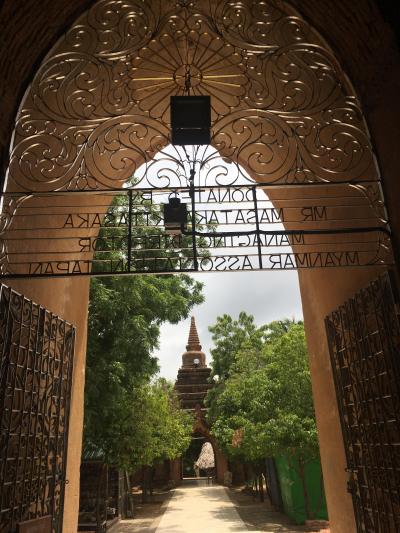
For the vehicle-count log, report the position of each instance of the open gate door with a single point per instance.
(36, 358)
(364, 342)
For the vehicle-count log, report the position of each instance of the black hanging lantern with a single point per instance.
(191, 119)
(175, 216)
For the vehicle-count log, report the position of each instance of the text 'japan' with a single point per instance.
(225, 229)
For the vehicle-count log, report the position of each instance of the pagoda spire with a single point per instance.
(193, 357)
(193, 344)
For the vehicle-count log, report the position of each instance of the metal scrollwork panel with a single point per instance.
(36, 372)
(363, 337)
(99, 104)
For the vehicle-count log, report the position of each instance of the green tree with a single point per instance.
(268, 399)
(125, 314)
(228, 335)
(132, 421)
(163, 430)
(264, 407)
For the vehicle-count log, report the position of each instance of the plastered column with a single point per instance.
(323, 291)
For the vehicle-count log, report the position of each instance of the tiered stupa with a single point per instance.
(192, 381)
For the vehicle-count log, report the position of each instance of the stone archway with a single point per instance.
(283, 109)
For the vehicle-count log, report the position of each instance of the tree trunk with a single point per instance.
(151, 476)
(300, 462)
(129, 503)
(254, 487)
(246, 474)
(261, 486)
(267, 486)
(144, 484)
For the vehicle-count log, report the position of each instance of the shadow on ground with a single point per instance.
(256, 515)
(260, 516)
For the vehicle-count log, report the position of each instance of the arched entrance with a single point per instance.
(282, 109)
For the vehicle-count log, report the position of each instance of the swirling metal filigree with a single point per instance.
(172, 167)
(99, 104)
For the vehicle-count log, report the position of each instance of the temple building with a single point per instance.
(193, 382)
(191, 385)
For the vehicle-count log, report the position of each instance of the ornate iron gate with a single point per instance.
(36, 357)
(364, 341)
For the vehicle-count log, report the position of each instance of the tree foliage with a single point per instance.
(149, 429)
(228, 335)
(126, 417)
(125, 314)
(262, 406)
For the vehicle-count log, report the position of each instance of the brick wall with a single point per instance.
(361, 38)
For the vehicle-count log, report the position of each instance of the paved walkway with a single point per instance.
(199, 508)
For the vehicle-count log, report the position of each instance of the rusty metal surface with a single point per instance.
(37, 525)
(36, 351)
(364, 341)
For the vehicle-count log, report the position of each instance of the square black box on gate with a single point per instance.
(190, 119)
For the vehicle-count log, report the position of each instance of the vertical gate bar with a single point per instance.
(363, 317)
(58, 477)
(386, 336)
(389, 282)
(389, 382)
(377, 397)
(36, 375)
(49, 398)
(24, 395)
(13, 396)
(52, 473)
(67, 403)
(130, 209)
(380, 423)
(34, 354)
(353, 466)
(334, 349)
(260, 263)
(377, 290)
(365, 448)
(5, 365)
(39, 414)
(355, 316)
(388, 285)
(4, 361)
(45, 337)
(192, 196)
